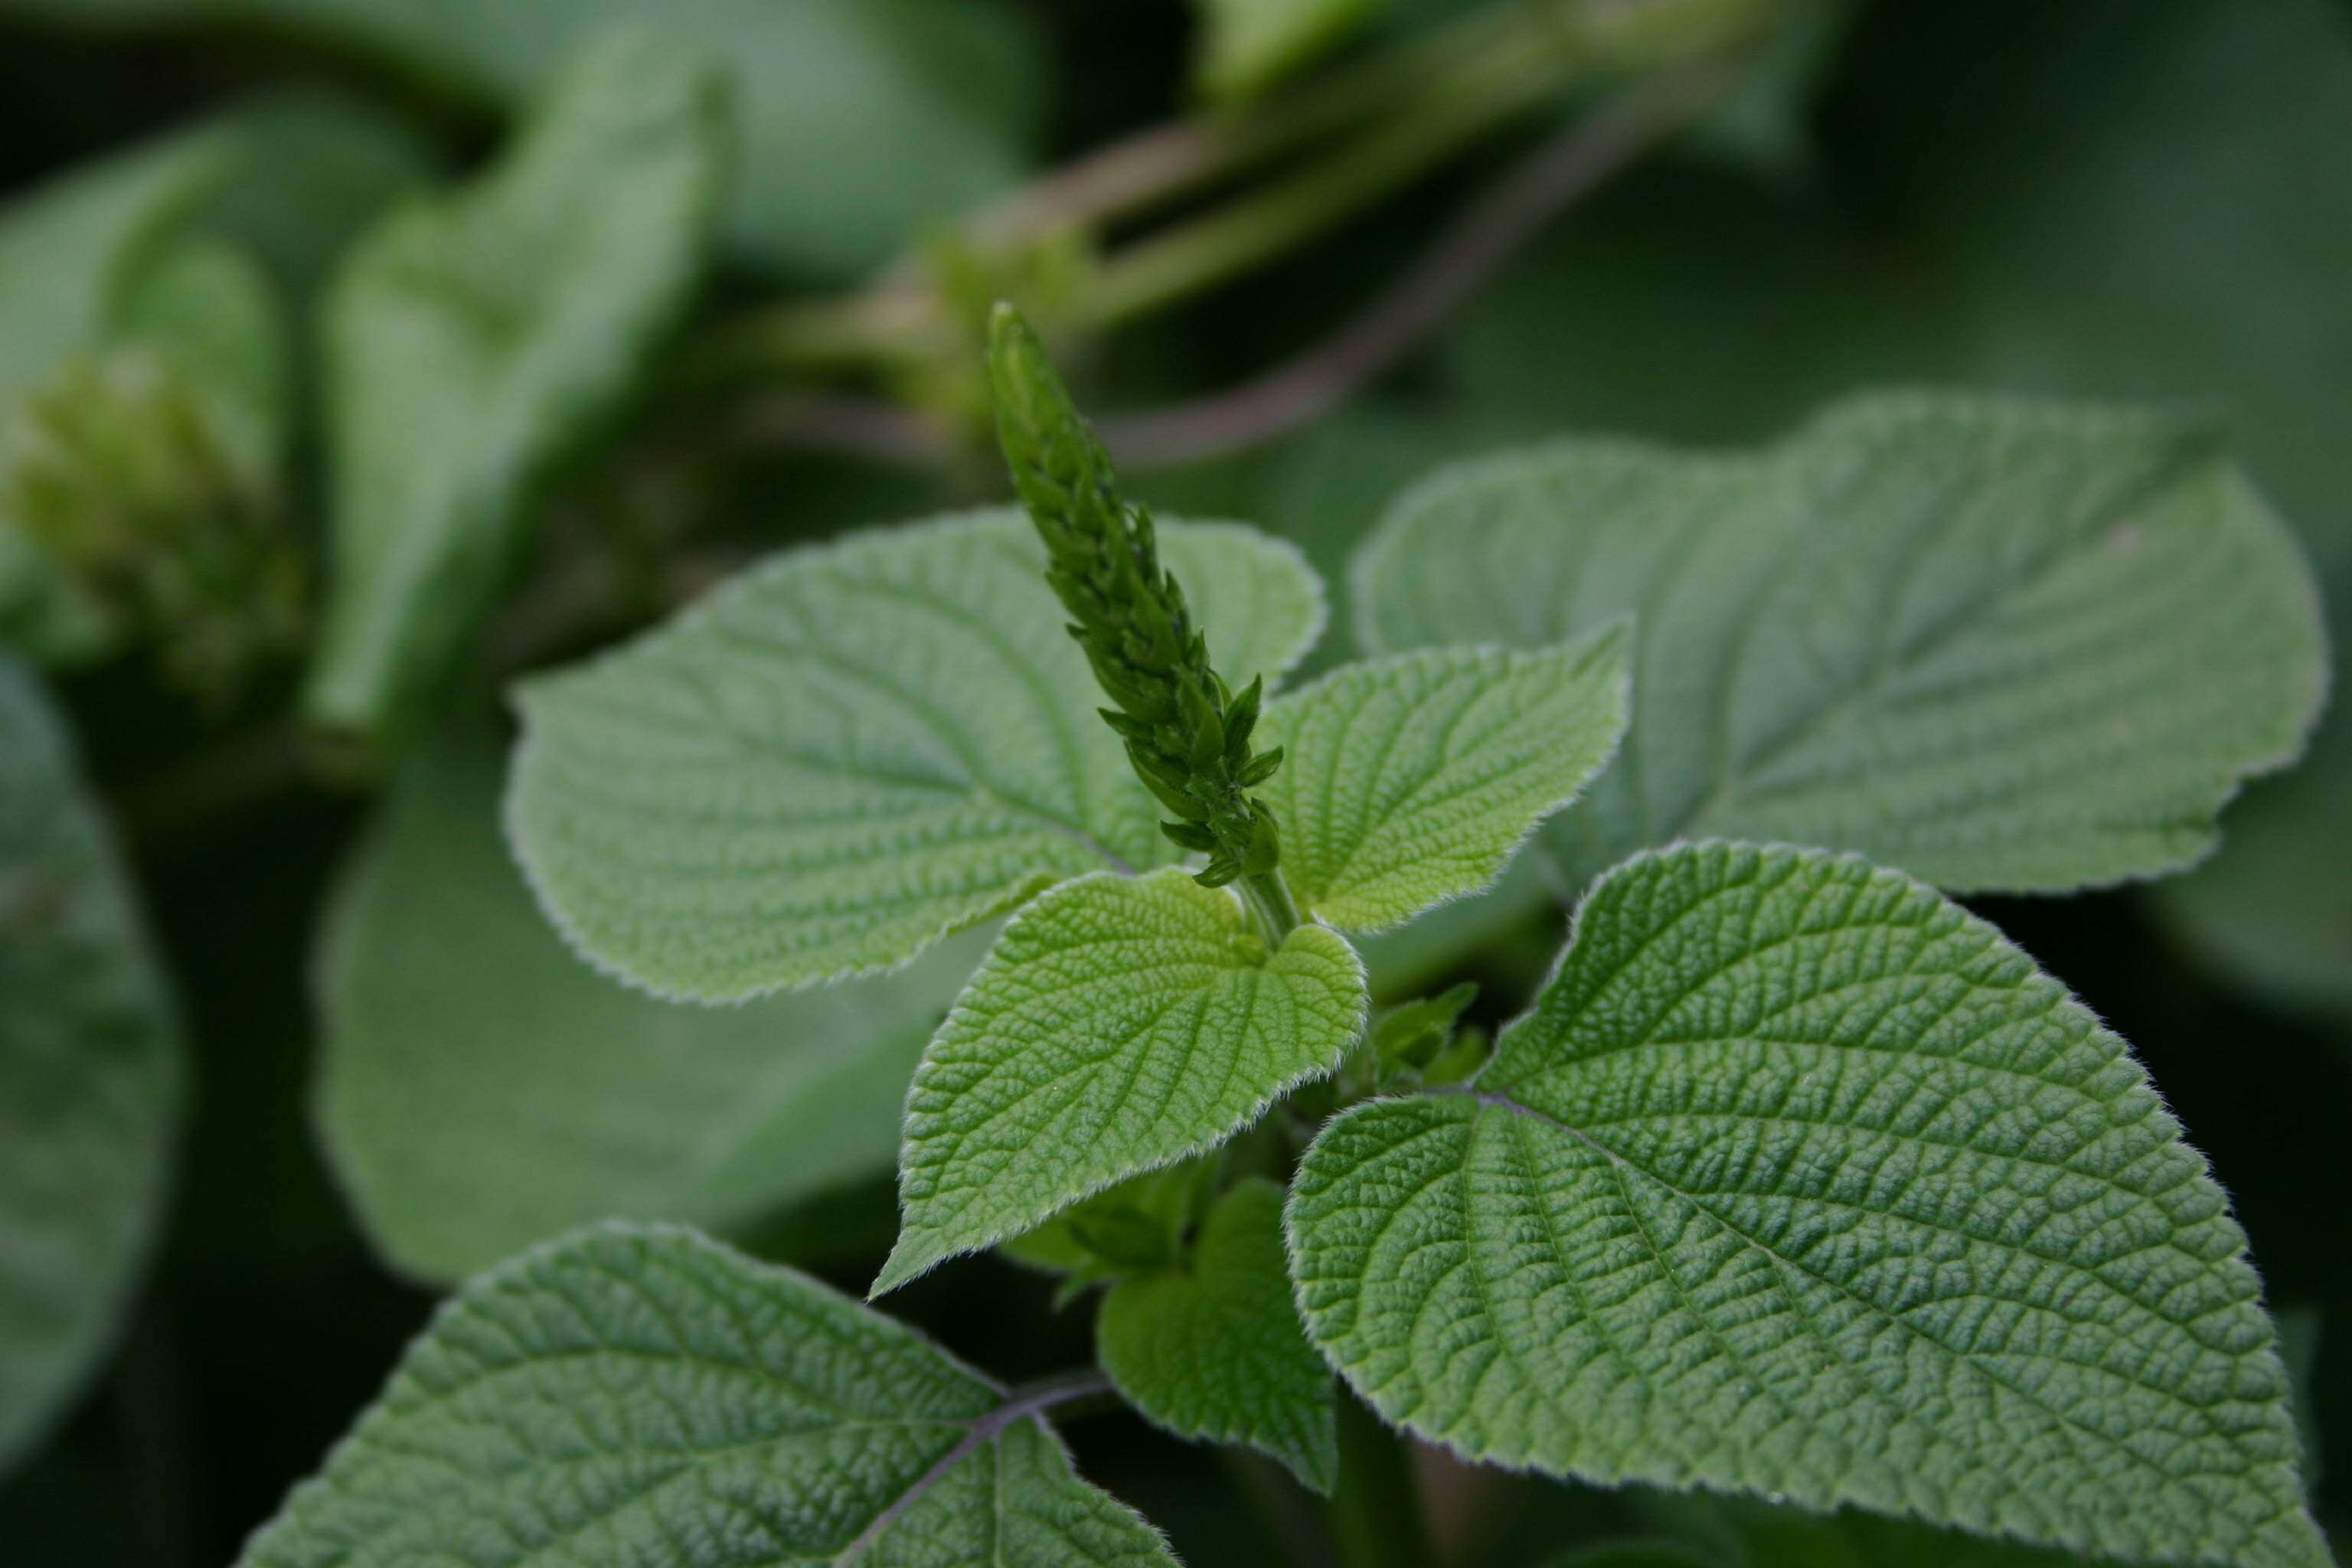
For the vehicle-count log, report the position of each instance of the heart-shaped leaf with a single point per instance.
(854, 750)
(1799, 1179)
(634, 1394)
(1121, 1023)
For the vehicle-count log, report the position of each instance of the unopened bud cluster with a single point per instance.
(1187, 734)
(115, 468)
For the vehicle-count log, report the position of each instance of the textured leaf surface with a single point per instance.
(2000, 645)
(1411, 781)
(480, 1089)
(1799, 1180)
(853, 750)
(1248, 45)
(1121, 1023)
(473, 341)
(636, 1395)
(90, 1074)
(1214, 1350)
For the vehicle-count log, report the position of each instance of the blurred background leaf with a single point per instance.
(862, 119)
(476, 341)
(89, 1075)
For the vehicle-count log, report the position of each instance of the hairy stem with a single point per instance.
(1271, 908)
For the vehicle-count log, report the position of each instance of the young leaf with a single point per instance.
(1121, 1023)
(1799, 1179)
(1248, 45)
(844, 755)
(89, 1075)
(1411, 781)
(2002, 645)
(473, 341)
(480, 1089)
(636, 1394)
(1214, 1350)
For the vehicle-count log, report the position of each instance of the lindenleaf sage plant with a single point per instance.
(1798, 1181)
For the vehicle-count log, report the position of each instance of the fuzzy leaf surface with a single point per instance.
(1799, 1180)
(1121, 1023)
(480, 1089)
(2000, 644)
(1410, 781)
(853, 750)
(90, 1074)
(473, 341)
(637, 1394)
(1214, 1350)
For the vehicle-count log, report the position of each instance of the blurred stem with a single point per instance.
(1393, 118)
(1375, 1509)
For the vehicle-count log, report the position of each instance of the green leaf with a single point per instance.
(473, 341)
(633, 1396)
(854, 750)
(1121, 1023)
(1412, 781)
(206, 309)
(2000, 644)
(89, 1075)
(863, 122)
(1214, 1352)
(1799, 1180)
(1249, 46)
(479, 1090)
(72, 250)
(1140, 1223)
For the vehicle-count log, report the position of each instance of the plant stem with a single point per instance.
(1375, 1509)
(1404, 112)
(1267, 899)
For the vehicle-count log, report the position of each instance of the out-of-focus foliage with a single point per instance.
(1247, 46)
(90, 1074)
(2004, 645)
(863, 120)
(479, 1089)
(475, 342)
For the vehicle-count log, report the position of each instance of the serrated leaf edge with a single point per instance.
(889, 1279)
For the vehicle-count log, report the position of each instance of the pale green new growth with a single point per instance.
(73, 254)
(479, 1090)
(1799, 1179)
(839, 758)
(473, 341)
(2000, 644)
(1121, 1023)
(635, 1395)
(1214, 1350)
(90, 1074)
(1411, 780)
(1248, 45)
